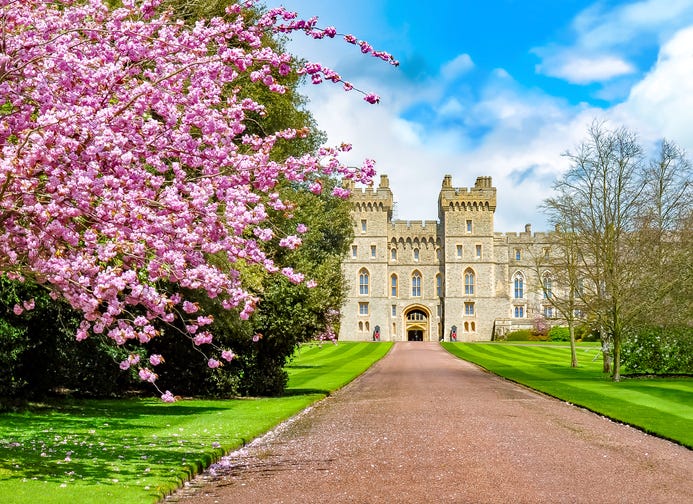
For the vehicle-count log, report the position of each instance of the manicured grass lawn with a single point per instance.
(661, 406)
(138, 450)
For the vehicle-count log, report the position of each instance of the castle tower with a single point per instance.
(467, 231)
(366, 264)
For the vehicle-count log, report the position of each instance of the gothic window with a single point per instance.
(469, 225)
(459, 251)
(519, 312)
(478, 251)
(439, 285)
(548, 286)
(364, 227)
(363, 282)
(416, 284)
(469, 309)
(354, 251)
(416, 254)
(518, 254)
(469, 283)
(393, 286)
(373, 251)
(519, 283)
(363, 308)
(393, 254)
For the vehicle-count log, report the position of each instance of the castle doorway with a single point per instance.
(417, 324)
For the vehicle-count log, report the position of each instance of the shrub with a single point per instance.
(520, 335)
(559, 333)
(656, 350)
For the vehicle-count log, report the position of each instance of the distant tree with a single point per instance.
(664, 234)
(562, 263)
(623, 234)
(603, 188)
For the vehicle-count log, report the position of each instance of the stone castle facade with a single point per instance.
(453, 279)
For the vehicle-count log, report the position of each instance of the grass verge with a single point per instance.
(138, 450)
(660, 406)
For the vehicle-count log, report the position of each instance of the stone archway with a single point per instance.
(417, 325)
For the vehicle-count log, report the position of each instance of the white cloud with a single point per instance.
(607, 41)
(503, 129)
(660, 104)
(584, 70)
(457, 67)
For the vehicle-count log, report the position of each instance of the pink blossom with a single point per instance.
(147, 375)
(301, 228)
(121, 177)
(155, 359)
(228, 355)
(311, 284)
(291, 242)
(213, 363)
(168, 397)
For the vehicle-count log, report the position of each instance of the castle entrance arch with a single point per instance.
(417, 324)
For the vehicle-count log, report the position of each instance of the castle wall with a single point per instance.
(429, 278)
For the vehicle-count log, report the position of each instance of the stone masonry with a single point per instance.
(455, 278)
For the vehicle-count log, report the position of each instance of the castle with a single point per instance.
(453, 279)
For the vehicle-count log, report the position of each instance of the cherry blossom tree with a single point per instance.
(126, 164)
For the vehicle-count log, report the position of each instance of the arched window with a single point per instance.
(416, 284)
(393, 286)
(519, 282)
(469, 283)
(416, 254)
(393, 254)
(363, 282)
(548, 286)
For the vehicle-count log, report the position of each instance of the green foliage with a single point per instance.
(524, 335)
(659, 406)
(656, 350)
(39, 354)
(559, 333)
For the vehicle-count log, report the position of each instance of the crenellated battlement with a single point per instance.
(481, 197)
(369, 199)
(523, 236)
(413, 233)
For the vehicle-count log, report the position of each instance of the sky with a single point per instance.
(497, 87)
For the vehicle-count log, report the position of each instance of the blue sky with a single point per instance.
(498, 87)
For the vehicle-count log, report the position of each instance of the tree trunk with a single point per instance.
(616, 374)
(573, 355)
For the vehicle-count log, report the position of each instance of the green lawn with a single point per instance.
(661, 406)
(140, 449)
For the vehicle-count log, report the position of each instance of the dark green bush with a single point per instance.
(655, 350)
(39, 354)
(520, 335)
(559, 333)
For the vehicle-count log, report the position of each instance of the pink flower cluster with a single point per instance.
(126, 163)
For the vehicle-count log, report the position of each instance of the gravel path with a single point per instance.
(423, 426)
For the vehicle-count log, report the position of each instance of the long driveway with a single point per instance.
(423, 426)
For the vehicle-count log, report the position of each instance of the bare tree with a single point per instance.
(664, 234)
(562, 263)
(600, 197)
